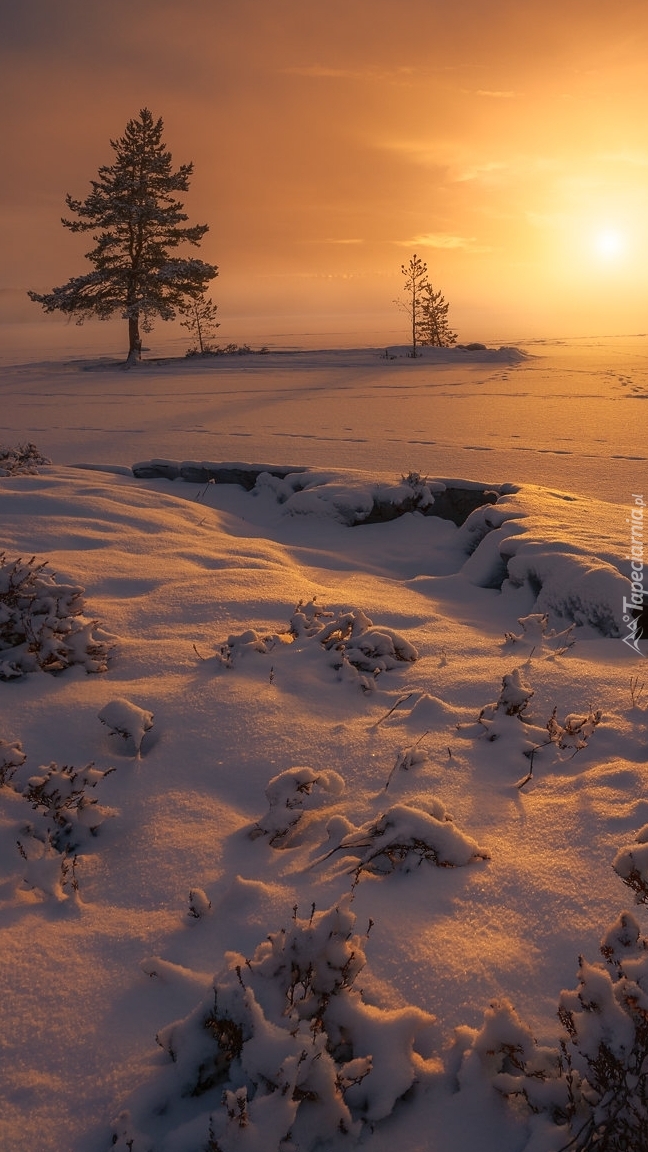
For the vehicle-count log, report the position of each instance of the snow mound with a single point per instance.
(631, 864)
(572, 587)
(128, 721)
(508, 538)
(514, 548)
(473, 353)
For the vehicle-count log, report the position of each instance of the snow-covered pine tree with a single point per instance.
(137, 222)
(433, 327)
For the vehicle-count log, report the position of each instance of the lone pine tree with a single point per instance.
(137, 222)
(426, 309)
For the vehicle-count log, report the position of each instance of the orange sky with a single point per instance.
(505, 142)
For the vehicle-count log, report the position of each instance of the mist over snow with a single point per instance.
(323, 752)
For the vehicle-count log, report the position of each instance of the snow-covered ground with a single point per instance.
(299, 693)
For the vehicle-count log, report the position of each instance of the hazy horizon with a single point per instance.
(506, 146)
(54, 338)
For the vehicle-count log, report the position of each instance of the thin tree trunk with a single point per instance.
(134, 340)
(200, 339)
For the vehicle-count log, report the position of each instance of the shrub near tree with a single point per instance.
(137, 224)
(200, 319)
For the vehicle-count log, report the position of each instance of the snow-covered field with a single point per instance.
(298, 693)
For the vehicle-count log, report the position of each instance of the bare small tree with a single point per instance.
(415, 274)
(202, 323)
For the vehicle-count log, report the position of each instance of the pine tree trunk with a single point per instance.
(134, 340)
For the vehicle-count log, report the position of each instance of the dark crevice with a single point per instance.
(244, 475)
(454, 504)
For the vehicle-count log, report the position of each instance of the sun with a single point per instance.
(610, 243)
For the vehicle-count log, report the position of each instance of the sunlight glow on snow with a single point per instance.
(206, 723)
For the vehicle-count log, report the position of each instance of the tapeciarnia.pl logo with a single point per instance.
(635, 605)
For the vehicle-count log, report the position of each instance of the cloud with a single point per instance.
(634, 159)
(496, 95)
(451, 158)
(340, 240)
(370, 72)
(519, 166)
(486, 172)
(547, 219)
(443, 240)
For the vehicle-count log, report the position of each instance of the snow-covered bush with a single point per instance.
(42, 623)
(505, 1052)
(355, 644)
(308, 619)
(287, 795)
(65, 817)
(199, 904)
(504, 719)
(631, 864)
(128, 721)
(46, 869)
(285, 1053)
(538, 636)
(406, 835)
(235, 647)
(21, 459)
(606, 1055)
(358, 650)
(575, 731)
(11, 757)
(623, 939)
(367, 648)
(420, 487)
(594, 1085)
(67, 814)
(407, 758)
(513, 699)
